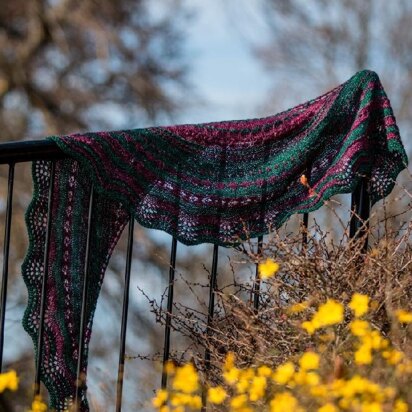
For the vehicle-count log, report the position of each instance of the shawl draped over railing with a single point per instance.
(218, 183)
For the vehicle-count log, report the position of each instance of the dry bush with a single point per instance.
(322, 269)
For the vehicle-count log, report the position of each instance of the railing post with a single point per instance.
(360, 211)
(306, 215)
(125, 310)
(166, 345)
(256, 286)
(211, 311)
(6, 248)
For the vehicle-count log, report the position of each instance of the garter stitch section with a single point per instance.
(218, 183)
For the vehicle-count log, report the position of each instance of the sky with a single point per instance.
(224, 73)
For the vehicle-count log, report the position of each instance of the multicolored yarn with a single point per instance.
(218, 183)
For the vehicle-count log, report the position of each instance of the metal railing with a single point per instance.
(28, 151)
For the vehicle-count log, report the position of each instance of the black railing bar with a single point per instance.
(212, 287)
(353, 222)
(360, 212)
(306, 215)
(211, 311)
(364, 211)
(80, 379)
(43, 296)
(305, 228)
(14, 152)
(256, 286)
(125, 309)
(358, 204)
(6, 248)
(166, 345)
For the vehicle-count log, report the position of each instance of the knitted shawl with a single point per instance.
(219, 183)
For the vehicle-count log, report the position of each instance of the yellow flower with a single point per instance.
(312, 379)
(268, 269)
(238, 401)
(244, 378)
(404, 367)
(298, 307)
(229, 361)
(359, 327)
(404, 316)
(359, 304)
(9, 380)
(393, 356)
(371, 407)
(389, 392)
(309, 327)
(196, 402)
(284, 373)
(375, 340)
(303, 377)
(319, 391)
(170, 368)
(284, 402)
(38, 405)
(357, 385)
(264, 371)
(216, 395)
(184, 399)
(363, 356)
(242, 385)
(257, 388)
(231, 376)
(400, 406)
(328, 314)
(309, 360)
(346, 403)
(160, 398)
(186, 379)
(329, 407)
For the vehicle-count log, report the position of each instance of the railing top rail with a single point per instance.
(25, 151)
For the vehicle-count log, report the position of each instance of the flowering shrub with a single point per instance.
(332, 331)
(363, 372)
(38, 405)
(10, 381)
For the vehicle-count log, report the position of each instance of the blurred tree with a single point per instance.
(316, 44)
(67, 65)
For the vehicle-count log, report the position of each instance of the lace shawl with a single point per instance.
(219, 183)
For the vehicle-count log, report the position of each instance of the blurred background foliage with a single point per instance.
(65, 65)
(71, 65)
